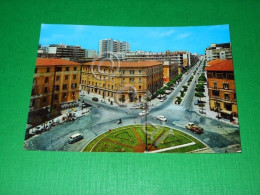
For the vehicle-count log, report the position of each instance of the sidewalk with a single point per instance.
(208, 112)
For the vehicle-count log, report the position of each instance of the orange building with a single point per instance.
(221, 85)
(55, 81)
(170, 70)
(126, 80)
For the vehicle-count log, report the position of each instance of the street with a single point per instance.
(217, 134)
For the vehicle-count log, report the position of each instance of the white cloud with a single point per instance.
(161, 34)
(183, 35)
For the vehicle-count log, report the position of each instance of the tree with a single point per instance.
(185, 87)
(200, 95)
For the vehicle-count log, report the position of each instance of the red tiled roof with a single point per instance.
(221, 65)
(124, 63)
(54, 61)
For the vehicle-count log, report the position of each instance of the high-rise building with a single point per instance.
(221, 51)
(109, 48)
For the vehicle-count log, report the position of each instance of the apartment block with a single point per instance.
(221, 51)
(221, 85)
(55, 81)
(129, 81)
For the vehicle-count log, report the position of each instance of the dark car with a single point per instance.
(95, 99)
(194, 128)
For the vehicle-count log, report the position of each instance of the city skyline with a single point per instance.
(154, 39)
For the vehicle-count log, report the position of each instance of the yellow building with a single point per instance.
(55, 81)
(127, 81)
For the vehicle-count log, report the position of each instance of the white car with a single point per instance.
(162, 100)
(143, 113)
(161, 118)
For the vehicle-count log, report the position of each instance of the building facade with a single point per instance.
(221, 85)
(89, 53)
(55, 81)
(62, 51)
(170, 71)
(109, 46)
(221, 51)
(127, 81)
(180, 57)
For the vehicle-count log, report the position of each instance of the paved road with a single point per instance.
(217, 135)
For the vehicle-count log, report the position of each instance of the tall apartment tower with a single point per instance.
(108, 46)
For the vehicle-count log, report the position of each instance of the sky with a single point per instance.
(155, 39)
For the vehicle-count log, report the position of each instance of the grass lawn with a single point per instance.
(124, 139)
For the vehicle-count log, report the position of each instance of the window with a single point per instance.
(235, 96)
(225, 86)
(46, 79)
(123, 72)
(226, 96)
(123, 79)
(58, 69)
(224, 75)
(140, 71)
(67, 68)
(132, 79)
(215, 85)
(66, 77)
(55, 97)
(215, 92)
(112, 86)
(64, 95)
(48, 70)
(57, 78)
(140, 87)
(230, 76)
(132, 72)
(74, 76)
(44, 100)
(64, 86)
(75, 68)
(219, 75)
(140, 80)
(112, 79)
(210, 74)
(35, 81)
(57, 87)
(35, 70)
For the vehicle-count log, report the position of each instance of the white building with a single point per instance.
(90, 53)
(220, 51)
(109, 46)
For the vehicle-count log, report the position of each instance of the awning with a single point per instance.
(226, 112)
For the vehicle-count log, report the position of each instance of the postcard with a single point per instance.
(133, 89)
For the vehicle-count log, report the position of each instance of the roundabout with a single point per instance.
(133, 138)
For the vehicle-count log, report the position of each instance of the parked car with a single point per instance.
(167, 92)
(161, 96)
(194, 128)
(162, 100)
(75, 138)
(143, 113)
(161, 118)
(95, 99)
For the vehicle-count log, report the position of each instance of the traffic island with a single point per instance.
(135, 138)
